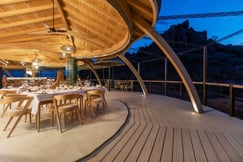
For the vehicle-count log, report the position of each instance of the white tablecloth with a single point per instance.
(47, 95)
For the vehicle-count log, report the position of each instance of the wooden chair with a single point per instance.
(6, 93)
(95, 97)
(118, 85)
(108, 84)
(49, 105)
(129, 85)
(20, 106)
(66, 103)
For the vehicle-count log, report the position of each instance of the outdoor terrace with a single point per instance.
(135, 128)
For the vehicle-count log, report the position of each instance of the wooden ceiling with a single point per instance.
(32, 29)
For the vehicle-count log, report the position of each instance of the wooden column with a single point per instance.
(71, 70)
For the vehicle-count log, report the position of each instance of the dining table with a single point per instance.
(44, 96)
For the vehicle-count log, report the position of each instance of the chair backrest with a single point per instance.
(22, 101)
(65, 98)
(95, 94)
(6, 100)
(130, 84)
(15, 98)
(4, 92)
(117, 84)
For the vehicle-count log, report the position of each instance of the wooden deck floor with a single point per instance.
(49, 145)
(166, 129)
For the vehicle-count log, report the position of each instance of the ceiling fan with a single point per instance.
(52, 28)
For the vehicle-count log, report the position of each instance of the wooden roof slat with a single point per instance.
(146, 12)
(26, 22)
(92, 30)
(33, 45)
(25, 11)
(99, 18)
(101, 11)
(7, 2)
(88, 23)
(9, 67)
(33, 37)
(5, 35)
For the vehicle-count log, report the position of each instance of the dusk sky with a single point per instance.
(215, 26)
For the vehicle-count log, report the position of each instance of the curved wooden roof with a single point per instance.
(96, 28)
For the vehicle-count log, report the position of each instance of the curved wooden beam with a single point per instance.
(174, 59)
(60, 77)
(91, 67)
(131, 67)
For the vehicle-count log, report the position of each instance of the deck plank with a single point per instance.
(131, 142)
(149, 143)
(168, 145)
(229, 149)
(177, 146)
(237, 146)
(239, 138)
(197, 146)
(187, 146)
(148, 147)
(222, 155)
(107, 149)
(119, 146)
(158, 145)
(139, 146)
(208, 148)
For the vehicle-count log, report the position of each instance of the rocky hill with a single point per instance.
(224, 62)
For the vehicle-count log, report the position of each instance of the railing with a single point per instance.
(224, 97)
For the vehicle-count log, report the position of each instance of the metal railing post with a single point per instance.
(231, 100)
(205, 94)
(150, 86)
(165, 83)
(181, 91)
(204, 75)
(165, 88)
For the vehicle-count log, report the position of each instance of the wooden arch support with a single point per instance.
(131, 67)
(93, 70)
(173, 58)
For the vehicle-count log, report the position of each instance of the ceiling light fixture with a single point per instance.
(63, 56)
(22, 63)
(36, 61)
(67, 48)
